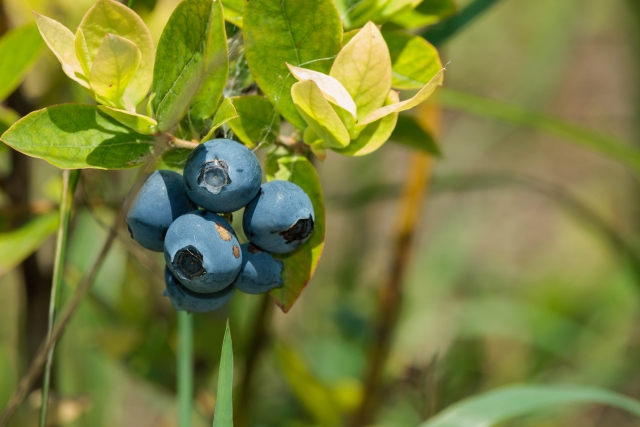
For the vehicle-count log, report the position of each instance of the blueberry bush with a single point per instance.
(225, 120)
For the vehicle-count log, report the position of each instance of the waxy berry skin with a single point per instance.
(153, 208)
(280, 218)
(260, 271)
(222, 175)
(185, 300)
(202, 251)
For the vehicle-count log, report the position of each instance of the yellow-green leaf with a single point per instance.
(82, 52)
(373, 135)
(428, 12)
(113, 68)
(233, 10)
(226, 111)
(14, 63)
(414, 60)
(420, 97)
(300, 265)
(257, 122)
(317, 112)
(305, 33)
(141, 124)
(61, 41)
(330, 87)
(363, 67)
(224, 397)
(112, 17)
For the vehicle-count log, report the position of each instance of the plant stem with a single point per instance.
(185, 368)
(69, 182)
(27, 380)
(414, 191)
(257, 342)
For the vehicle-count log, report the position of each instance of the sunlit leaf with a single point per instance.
(223, 416)
(226, 111)
(414, 60)
(420, 97)
(497, 406)
(61, 41)
(15, 62)
(233, 10)
(182, 57)
(257, 121)
(300, 265)
(112, 17)
(331, 88)
(17, 245)
(586, 138)
(304, 33)
(216, 68)
(82, 52)
(410, 134)
(113, 68)
(317, 398)
(141, 124)
(74, 136)
(428, 12)
(374, 135)
(317, 112)
(364, 69)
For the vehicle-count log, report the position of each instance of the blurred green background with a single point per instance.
(518, 273)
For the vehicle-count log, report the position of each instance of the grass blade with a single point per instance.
(185, 368)
(223, 416)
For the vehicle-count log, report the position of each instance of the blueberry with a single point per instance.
(260, 271)
(186, 300)
(153, 205)
(202, 251)
(280, 218)
(222, 175)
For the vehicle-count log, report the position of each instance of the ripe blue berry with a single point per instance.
(154, 205)
(222, 175)
(193, 302)
(280, 218)
(260, 271)
(202, 251)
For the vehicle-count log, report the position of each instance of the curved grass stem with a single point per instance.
(69, 182)
(185, 368)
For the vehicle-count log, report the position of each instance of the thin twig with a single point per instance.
(257, 342)
(27, 380)
(182, 143)
(69, 182)
(415, 190)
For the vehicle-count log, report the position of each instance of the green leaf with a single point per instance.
(428, 12)
(300, 265)
(183, 55)
(216, 68)
(17, 245)
(112, 17)
(331, 88)
(586, 138)
(364, 69)
(233, 10)
(317, 398)
(141, 124)
(15, 62)
(419, 98)
(175, 158)
(299, 32)
(113, 68)
(223, 416)
(410, 134)
(61, 41)
(504, 404)
(75, 136)
(257, 122)
(414, 60)
(226, 111)
(374, 135)
(317, 112)
(82, 52)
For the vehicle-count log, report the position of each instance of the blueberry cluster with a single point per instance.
(205, 261)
